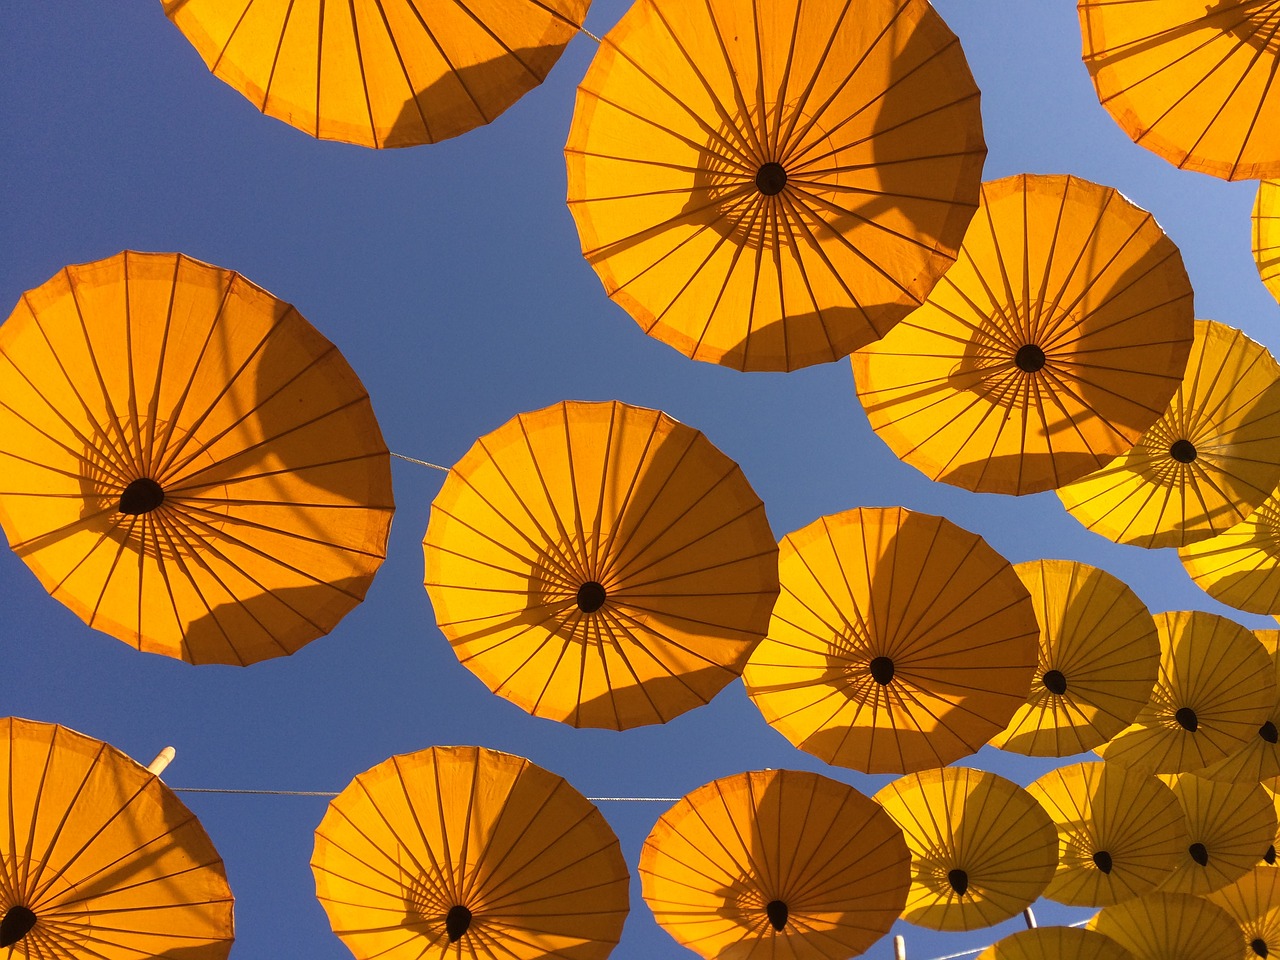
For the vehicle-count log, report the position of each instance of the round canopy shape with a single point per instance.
(1120, 832)
(1216, 687)
(380, 73)
(1241, 566)
(1253, 901)
(1170, 926)
(769, 184)
(600, 564)
(471, 853)
(1230, 826)
(99, 858)
(1056, 339)
(1055, 943)
(982, 848)
(1259, 759)
(1266, 234)
(1099, 655)
(1190, 80)
(188, 464)
(900, 641)
(1210, 460)
(775, 863)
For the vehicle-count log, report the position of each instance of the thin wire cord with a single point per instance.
(421, 463)
(977, 950)
(326, 793)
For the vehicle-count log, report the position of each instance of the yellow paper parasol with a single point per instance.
(1170, 926)
(188, 464)
(900, 641)
(1190, 80)
(1099, 655)
(1054, 342)
(468, 852)
(1253, 901)
(1266, 234)
(775, 863)
(1230, 826)
(1055, 943)
(982, 848)
(1241, 566)
(769, 184)
(1206, 464)
(1216, 687)
(380, 73)
(1260, 758)
(1120, 832)
(600, 564)
(99, 858)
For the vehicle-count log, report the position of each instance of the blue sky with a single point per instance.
(451, 278)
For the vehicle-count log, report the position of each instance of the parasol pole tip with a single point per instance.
(162, 760)
(899, 948)
(1030, 917)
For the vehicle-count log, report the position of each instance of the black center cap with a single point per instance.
(1055, 682)
(882, 670)
(1184, 451)
(1029, 358)
(17, 923)
(771, 178)
(141, 496)
(591, 597)
(1187, 719)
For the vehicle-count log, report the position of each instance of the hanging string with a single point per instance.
(590, 34)
(421, 463)
(977, 950)
(326, 793)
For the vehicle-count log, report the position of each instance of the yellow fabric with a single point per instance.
(956, 818)
(888, 585)
(1101, 639)
(1241, 566)
(1228, 409)
(621, 497)
(1266, 234)
(1217, 670)
(1234, 822)
(1104, 809)
(716, 860)
(419, 834)
(276, 482)
(1170, 926)
(1253, 901)
(111, 863)
(380, 73)
(870, 111)
(1055, 943)
(1052, 263)
(1260, 758)
(1191, 80)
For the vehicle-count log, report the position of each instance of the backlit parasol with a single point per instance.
(900, 641)
(1241, 566)
(188, 464)
(468, 852)
(1206, 464)
(1253, 901)
(100, 859)
(775, 863)
(1266, 234)
(380, 73)
(1054, 342)
(1259, 759)
(1120, 832)
(1099, 654)
(1170, 926)
(600, 564)
(982, 848)
(1230, 826)
(1216, 687)
(1055, 943)
(1191, 80)
(769, 184)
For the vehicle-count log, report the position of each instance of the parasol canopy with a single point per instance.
(1230, 826)
(1099, 655)
(1253, 901)
(99, 858)
(1259, 759)
(1266, 234)
(769, 184)
(600, 564)
(1170, 926)
(188, 464)
(982, 848)
(1216, 687)
(900, 641)
(1055, 341)
(1120, 832)
(1190, 80)
(472, 853)
(775, 863)
(380, 73)
(1241, 566)
(1055, 943)
(1206, 464)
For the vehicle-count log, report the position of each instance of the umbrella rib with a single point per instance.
(174, 543)
(755, 146)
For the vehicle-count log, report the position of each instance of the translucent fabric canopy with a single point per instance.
(380, 73)
(769, 184)
(1230, 826)
(189, 465)
(1055, 943)
(1170, 926)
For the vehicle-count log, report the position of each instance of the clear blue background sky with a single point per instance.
(451, 278)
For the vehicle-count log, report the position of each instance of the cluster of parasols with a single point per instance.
(765, 184)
